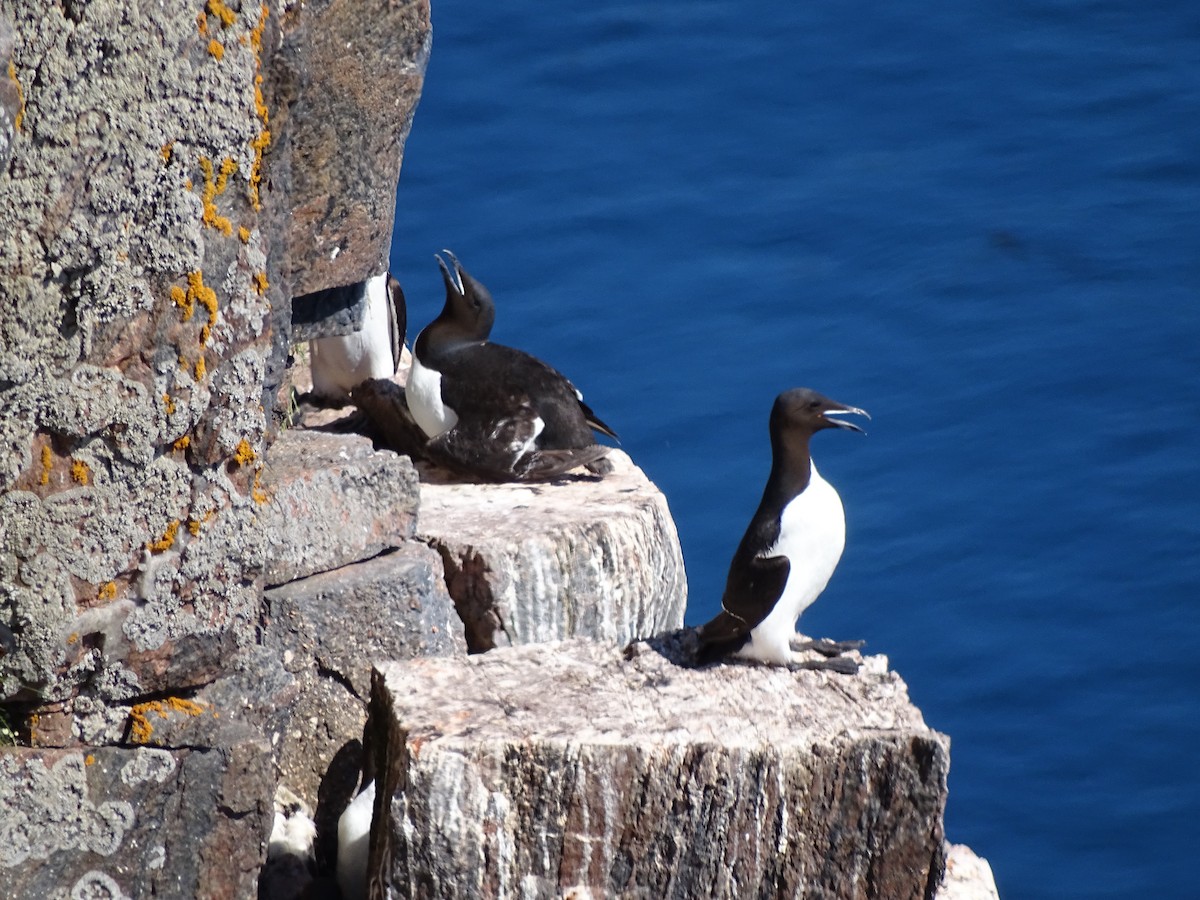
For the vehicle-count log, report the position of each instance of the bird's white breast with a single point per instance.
(339, 363)
(424, 394)
(812, 535)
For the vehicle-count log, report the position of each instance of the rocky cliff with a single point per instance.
(192, 597)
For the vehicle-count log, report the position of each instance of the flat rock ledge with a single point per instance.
(581, 769)
(583, 557)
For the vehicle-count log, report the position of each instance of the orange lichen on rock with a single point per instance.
(20, 116)
(257, 494)
(244, 234)
(167, 541)
(200, 369)
(108, 591)
(244, 453)
(73, 637)
(263, 141)
(80, 472)
(89, 760)
(140, 729)
(168, 403)
(216, 49)
(181, 443)
(167, 149)
(260, 283)
(215, 185)
(202, 23)
(222, 12)
(47, 465)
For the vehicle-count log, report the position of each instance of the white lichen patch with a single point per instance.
(47, 809)
(97, 885)
(148, 764)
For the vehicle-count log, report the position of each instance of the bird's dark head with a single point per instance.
(804, 411)
(468, 303)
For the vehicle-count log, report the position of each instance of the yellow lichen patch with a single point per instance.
(216, 49)
(47, 464)
(182, 443)
(258, 145)
(108, 591)
(219, 10)
(205, 334)
(202, 23)
(167, 150)
(244, 453)
(203, 295)
(257, 494)
(167, 540)
(184, 300)
(263, 141)
(80, 471)
(244, 234)
(256, 33)
(200, 369)
(168, 403)
(212, 187)
(140, 728)
(12, 76)
(72, 638)
(89, 760)
(260, 283)
(193, 526)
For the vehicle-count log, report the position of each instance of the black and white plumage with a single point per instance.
(340, 363)
(789, 551)
(494, 411)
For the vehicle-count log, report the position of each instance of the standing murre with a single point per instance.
(790, 549)
(494, 411)
(340, 363)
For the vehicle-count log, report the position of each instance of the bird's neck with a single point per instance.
(791, 469)
(441, 336)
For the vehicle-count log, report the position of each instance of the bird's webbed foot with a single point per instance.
(825, 648)
(842, 665)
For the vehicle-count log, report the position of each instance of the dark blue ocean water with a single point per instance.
(978, 220)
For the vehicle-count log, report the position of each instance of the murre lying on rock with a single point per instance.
(494, 411)
(790, 550)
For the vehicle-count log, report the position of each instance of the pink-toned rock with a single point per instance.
(575, 767)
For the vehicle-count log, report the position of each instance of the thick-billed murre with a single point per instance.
(790, 549)
(339, 363)
(494, 411)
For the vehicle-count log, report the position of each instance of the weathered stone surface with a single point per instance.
(359, 89)
(539, 770)
(135, 821)
(333, 500)
(329, 629)
(10, 96)
(968, 877)
(134, 346)
(583, 557)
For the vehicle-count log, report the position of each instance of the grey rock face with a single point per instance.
(11, 100)
(332, 500)
(546, 769)
(363, 66)
(580, 558)
(134, 346)
(134, 822)
(329, 628)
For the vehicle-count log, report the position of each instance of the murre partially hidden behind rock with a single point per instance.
(492, 411)
(339, 363)
(790, 550)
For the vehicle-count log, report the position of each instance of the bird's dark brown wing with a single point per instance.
(754, 585)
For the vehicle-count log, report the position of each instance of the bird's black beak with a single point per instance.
(453, 278)
(830, 414)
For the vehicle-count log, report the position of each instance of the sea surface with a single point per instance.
(978, 220)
